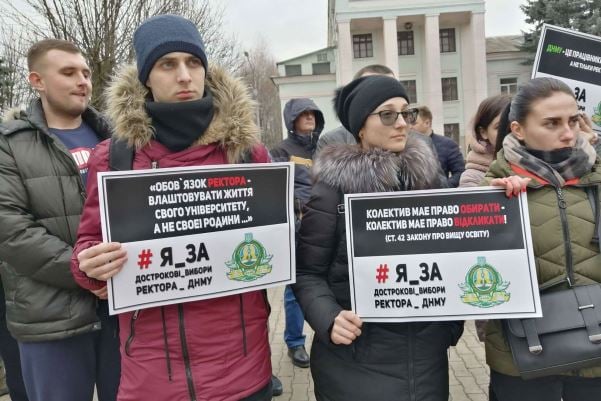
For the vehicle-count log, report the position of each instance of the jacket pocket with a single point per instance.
(132, 332)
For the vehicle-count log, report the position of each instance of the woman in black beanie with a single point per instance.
(352, 360)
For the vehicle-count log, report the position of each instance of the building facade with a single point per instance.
(437, 49)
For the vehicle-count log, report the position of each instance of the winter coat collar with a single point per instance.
(352, 169)
(17, 119)
(233, 126)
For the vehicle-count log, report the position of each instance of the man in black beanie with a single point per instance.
(175, 109)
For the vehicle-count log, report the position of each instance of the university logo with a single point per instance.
(484, 287)
(250, 261)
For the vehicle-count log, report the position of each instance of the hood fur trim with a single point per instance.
(353, 169)
(13, 114)
(233, 125)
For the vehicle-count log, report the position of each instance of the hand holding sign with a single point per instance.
(102, 261)
(346, 328)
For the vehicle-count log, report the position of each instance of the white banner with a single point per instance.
(441, 255)
(196, 233)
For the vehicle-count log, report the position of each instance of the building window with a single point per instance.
(405, 43)
(509, 85)
(321, 68)
(293, 70)
(411, 88)
(322, 57)
(363, 46)
(447, 40)
(449, 89)
(452, 131)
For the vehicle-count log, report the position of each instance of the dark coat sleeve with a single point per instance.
(25, 244)
(455, 164)
(316, 250)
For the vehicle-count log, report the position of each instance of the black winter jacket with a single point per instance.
(400, 361)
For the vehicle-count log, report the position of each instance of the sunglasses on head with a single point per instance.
(389, 117)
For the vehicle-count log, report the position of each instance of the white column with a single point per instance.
(432, 83)
(479, 46)
(391, 51)
(345, 53)
(473, 69)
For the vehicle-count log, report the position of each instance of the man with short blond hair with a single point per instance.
(67, 341)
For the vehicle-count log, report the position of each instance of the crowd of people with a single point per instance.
(173, 107)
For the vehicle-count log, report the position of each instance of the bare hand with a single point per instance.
(102, 261)
(513, 184)
(102, 293)
(586, 128)
(346, 328)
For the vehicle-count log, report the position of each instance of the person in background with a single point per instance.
(449, 155)
(482, 141)
(304, 123)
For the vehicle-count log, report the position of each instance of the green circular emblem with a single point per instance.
(484, 287)
(248, 255)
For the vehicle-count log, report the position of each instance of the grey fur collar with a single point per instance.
(233, 125)
(352, 169)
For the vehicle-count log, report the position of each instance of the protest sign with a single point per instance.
(195, 233)
(574, 58)
(440, 255)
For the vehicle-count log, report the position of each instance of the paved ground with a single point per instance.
(468, 373)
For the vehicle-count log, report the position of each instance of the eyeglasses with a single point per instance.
(389, 117)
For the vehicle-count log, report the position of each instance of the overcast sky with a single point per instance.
(294, 27)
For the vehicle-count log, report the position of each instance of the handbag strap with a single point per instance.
(592, 194)
(587, 310)
(534, 345)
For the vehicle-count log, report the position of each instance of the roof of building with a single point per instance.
(501, 44)
(325, 49)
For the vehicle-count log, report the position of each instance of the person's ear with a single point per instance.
(517, 130)
(36, 81)
(483, 134)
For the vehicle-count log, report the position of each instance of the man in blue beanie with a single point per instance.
(176, 109)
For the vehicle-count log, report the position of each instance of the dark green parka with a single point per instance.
(41, 198)
(550, 249)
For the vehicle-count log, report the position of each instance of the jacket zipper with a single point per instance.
(132, 331)
(411, 339)
(154, 164)
(185, 354)
(566, 235)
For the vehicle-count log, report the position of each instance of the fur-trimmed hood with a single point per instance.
(352, 169)
(233, 125)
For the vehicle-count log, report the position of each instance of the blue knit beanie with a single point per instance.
(164, 34)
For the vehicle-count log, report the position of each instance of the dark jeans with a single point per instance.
(68, 369)
(293, 333)
(9, 350)
(550, 388)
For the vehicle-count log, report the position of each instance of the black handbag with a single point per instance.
(568, 336)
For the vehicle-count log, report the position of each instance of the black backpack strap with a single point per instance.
(121, 155)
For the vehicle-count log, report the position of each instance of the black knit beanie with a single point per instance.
(355, 101)
(164, 34)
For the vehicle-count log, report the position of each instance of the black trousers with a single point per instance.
(9, 350)
(550, 388)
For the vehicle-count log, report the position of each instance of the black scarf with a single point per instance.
(178, 125)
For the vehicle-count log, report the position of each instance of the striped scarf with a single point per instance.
(579, 162)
